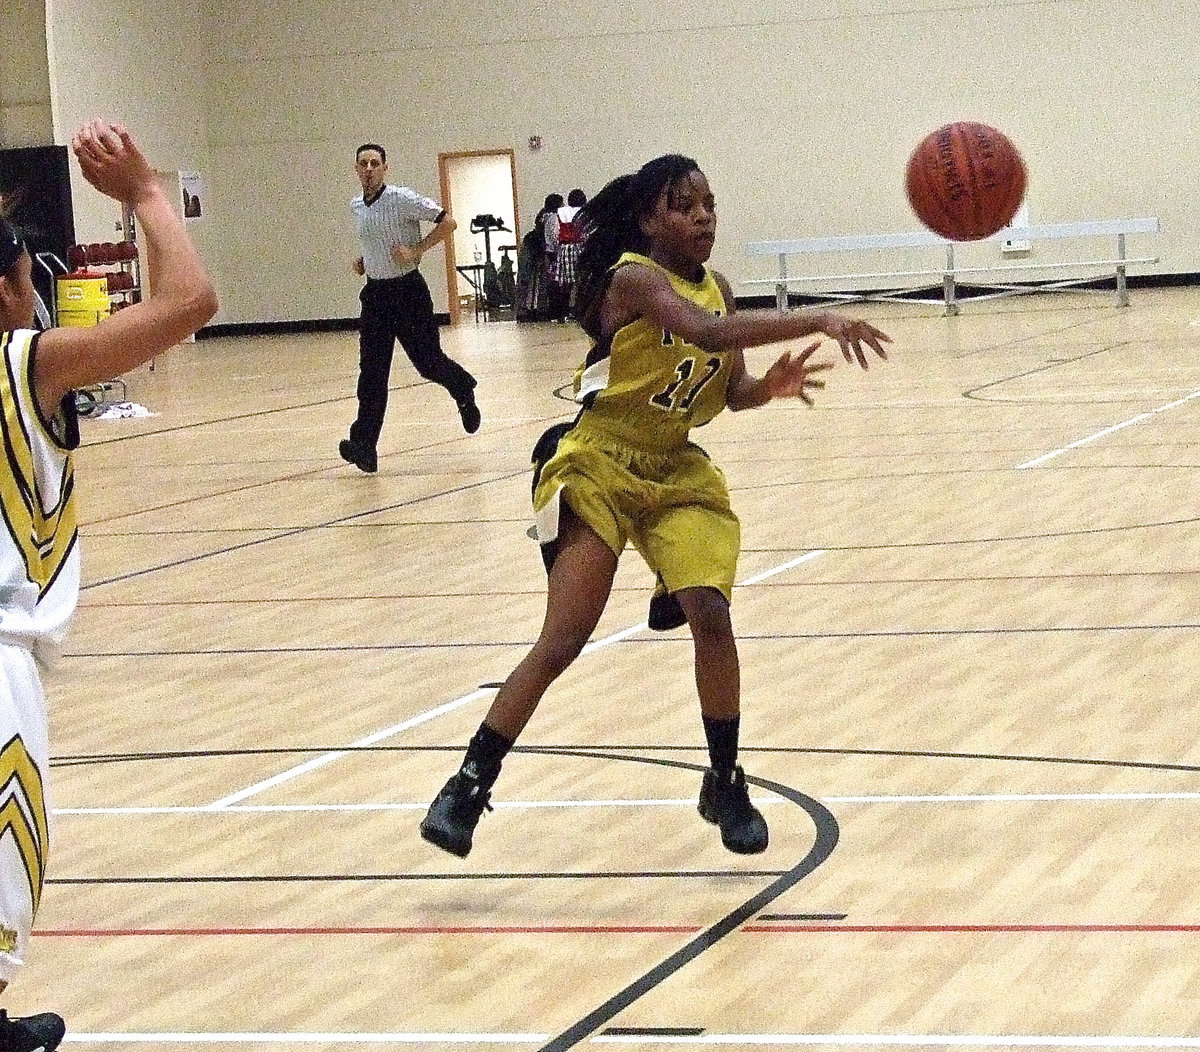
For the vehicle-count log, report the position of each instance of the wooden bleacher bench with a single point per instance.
(948, 276)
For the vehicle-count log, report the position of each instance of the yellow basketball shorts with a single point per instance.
(24, 809)
(672, 507)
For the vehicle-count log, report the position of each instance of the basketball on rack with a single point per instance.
(965, 181)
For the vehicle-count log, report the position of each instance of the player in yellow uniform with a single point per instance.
(39, 549)
(666, 357)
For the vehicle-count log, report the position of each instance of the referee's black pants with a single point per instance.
(399, 309)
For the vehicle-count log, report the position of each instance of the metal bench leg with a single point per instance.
(1122, 287)
(949, 291)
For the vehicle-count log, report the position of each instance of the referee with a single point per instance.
(396, 304)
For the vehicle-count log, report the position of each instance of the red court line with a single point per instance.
(547, 929)
(984, 928)
(620, 929)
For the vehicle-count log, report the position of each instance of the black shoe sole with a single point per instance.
(743, 849)
(348, 453)
(438, 838)
(471, 418)
(737, 849)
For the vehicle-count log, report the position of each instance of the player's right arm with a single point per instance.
(183, 299)
(640, 291)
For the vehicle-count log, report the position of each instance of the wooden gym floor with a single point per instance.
(969, 631)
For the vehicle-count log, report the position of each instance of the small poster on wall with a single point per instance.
(193, 195)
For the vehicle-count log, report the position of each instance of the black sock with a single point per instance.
(485, 754)
(722, 738)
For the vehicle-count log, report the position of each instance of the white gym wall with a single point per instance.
(802, 115)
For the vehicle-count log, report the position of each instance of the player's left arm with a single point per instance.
(790, 377)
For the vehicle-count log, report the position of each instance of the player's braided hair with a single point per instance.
(612, 225)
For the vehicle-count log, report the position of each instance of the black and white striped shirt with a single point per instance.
(393, 218)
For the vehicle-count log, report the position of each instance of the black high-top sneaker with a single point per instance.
(454, 813)
(31, 1033)
(725, 802)
(468, 412)
(362, 458)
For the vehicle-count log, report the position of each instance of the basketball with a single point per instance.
(965, 181)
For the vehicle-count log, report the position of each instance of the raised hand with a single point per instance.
(111, 161)
(792, 377)
(851, 334)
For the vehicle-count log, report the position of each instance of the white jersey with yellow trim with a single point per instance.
(39, 538)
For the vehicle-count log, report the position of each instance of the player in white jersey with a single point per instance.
(39, 551)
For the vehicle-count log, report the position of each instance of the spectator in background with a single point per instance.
(533, 266)
(565, 236)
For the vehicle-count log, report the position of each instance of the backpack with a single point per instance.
(570, 231)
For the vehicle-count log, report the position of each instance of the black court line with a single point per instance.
(841, 582)
(652, 1031)
(350, 878)
(826, 838)
(298, 530)
(880, 476)
(1000, 539)
(917, 632)
(646, 747)
(791, 439)
(345, 648)
(802, 916)
(416, 524)
(920, 754)
(749, 637)
(294, 407)
(1096, 316)
(1057, 363)
(826, 828)
(251, 415)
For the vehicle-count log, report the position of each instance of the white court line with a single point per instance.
(441, 710)
(782, 567)
(1107, 431)
(329, 757)
(616, 637)
(518, 805)
(633, 630)
(1007, 798)
(341, 1039)
(903, 1040)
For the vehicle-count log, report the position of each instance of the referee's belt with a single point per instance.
(386, 281)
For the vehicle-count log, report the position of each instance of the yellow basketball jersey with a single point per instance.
(647, 387)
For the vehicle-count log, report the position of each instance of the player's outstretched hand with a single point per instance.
(111, 161)
(851, 334)
(792, 377)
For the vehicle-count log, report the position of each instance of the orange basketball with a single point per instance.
(965, 181)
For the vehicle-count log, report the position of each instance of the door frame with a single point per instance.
(447, 203)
